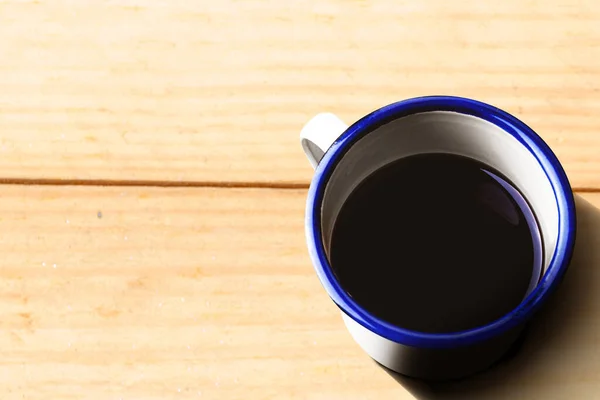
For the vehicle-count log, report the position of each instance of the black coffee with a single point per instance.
(435, 243)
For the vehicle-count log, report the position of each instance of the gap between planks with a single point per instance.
(184, 184)
(153, 183)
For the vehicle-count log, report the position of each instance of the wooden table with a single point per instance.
(151, 221)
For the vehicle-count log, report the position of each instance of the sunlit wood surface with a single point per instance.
(153, 188)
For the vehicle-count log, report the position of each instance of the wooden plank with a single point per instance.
(209, 91)
(141, 293)
(172, 293)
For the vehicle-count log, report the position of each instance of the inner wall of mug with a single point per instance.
(451, 133)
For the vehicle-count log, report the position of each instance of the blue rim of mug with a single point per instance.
(513, 126)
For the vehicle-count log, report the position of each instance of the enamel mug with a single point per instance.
(344, 156)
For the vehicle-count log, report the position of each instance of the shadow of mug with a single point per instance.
(559, 355)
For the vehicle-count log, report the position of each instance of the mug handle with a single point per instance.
(319, 134)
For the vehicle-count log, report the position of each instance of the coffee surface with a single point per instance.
(435, 243)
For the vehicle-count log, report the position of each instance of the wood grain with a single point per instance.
(218, 91)
(172, 293)
(149, 293)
